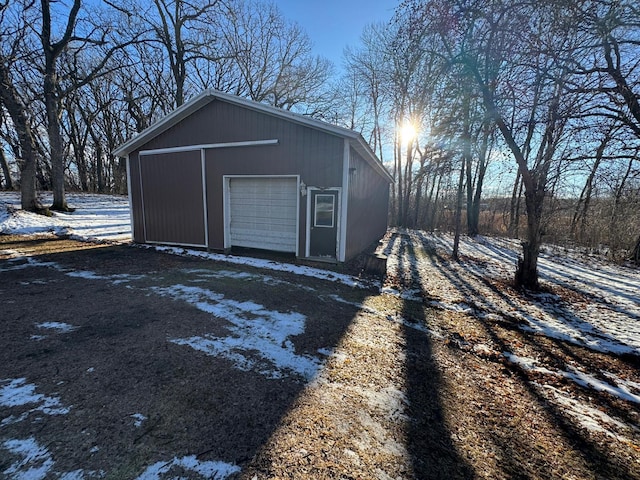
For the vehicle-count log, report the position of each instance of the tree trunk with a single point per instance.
(466, 161)
(458, 214)
(121, 174)
(17, 111)
(581, 210)
(514, 210)
(527, 268)
(55, 144)
(408, 180)
(613, 222)
(399, 181)
(5, 171)
(635, 255)
(51, 52)
(99, 168)
(434, 205)
(83, 172)
(473, 210)
(418, 202)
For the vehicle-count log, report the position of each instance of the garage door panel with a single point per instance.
(263, 213)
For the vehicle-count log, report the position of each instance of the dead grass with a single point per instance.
(409, 391)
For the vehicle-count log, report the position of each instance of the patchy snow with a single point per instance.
(97, 217)
(269, 265)
(34, 462)
(218, 470)
(31, 461)
(58, 327)
(254, 331)
(74, 475)
(397, 318)
(203, 275)
(138, 419)
(588, 417)
(607, 322)
(605, 315)
(600, 312)
(620, 388)
(115, 279)
(17, 392)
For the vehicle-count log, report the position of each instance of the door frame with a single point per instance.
(226, 206)
(338, 220)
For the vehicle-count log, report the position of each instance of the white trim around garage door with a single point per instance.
(226, 179)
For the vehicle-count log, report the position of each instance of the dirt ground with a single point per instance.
(404, 391)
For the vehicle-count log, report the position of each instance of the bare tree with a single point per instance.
(99, 35)
(4, 165)
(610, 59)
(12, 34)
(187, 32)
(12, 101)
(368, 65)
(496, 48)
(269, 59)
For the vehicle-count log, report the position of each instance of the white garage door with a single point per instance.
(263, 213)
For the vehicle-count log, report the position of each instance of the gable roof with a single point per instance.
(355, 139)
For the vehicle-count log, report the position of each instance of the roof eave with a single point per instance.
(163, 124)
(362, 147)
(207, 96)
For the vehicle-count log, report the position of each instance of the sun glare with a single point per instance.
(407, 132)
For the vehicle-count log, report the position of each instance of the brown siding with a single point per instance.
(314, 155)
(173, 198)
(367, 210)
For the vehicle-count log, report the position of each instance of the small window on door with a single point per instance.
(324, 210)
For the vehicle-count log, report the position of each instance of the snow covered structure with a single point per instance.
(222, 171)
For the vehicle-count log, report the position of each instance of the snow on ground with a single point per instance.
(138, 419)
(606, 320)
(97, 217)
(586, 380)
(17, 392)
(270, 265)
(590, 418)
(605, 315)
(190, 463)
(253, 328)
(32, 461)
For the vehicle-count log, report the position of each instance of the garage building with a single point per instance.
(222, 172)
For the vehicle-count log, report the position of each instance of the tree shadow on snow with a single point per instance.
(592, 453)
(433, 452)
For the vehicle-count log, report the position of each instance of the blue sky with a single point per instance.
(334, 24)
